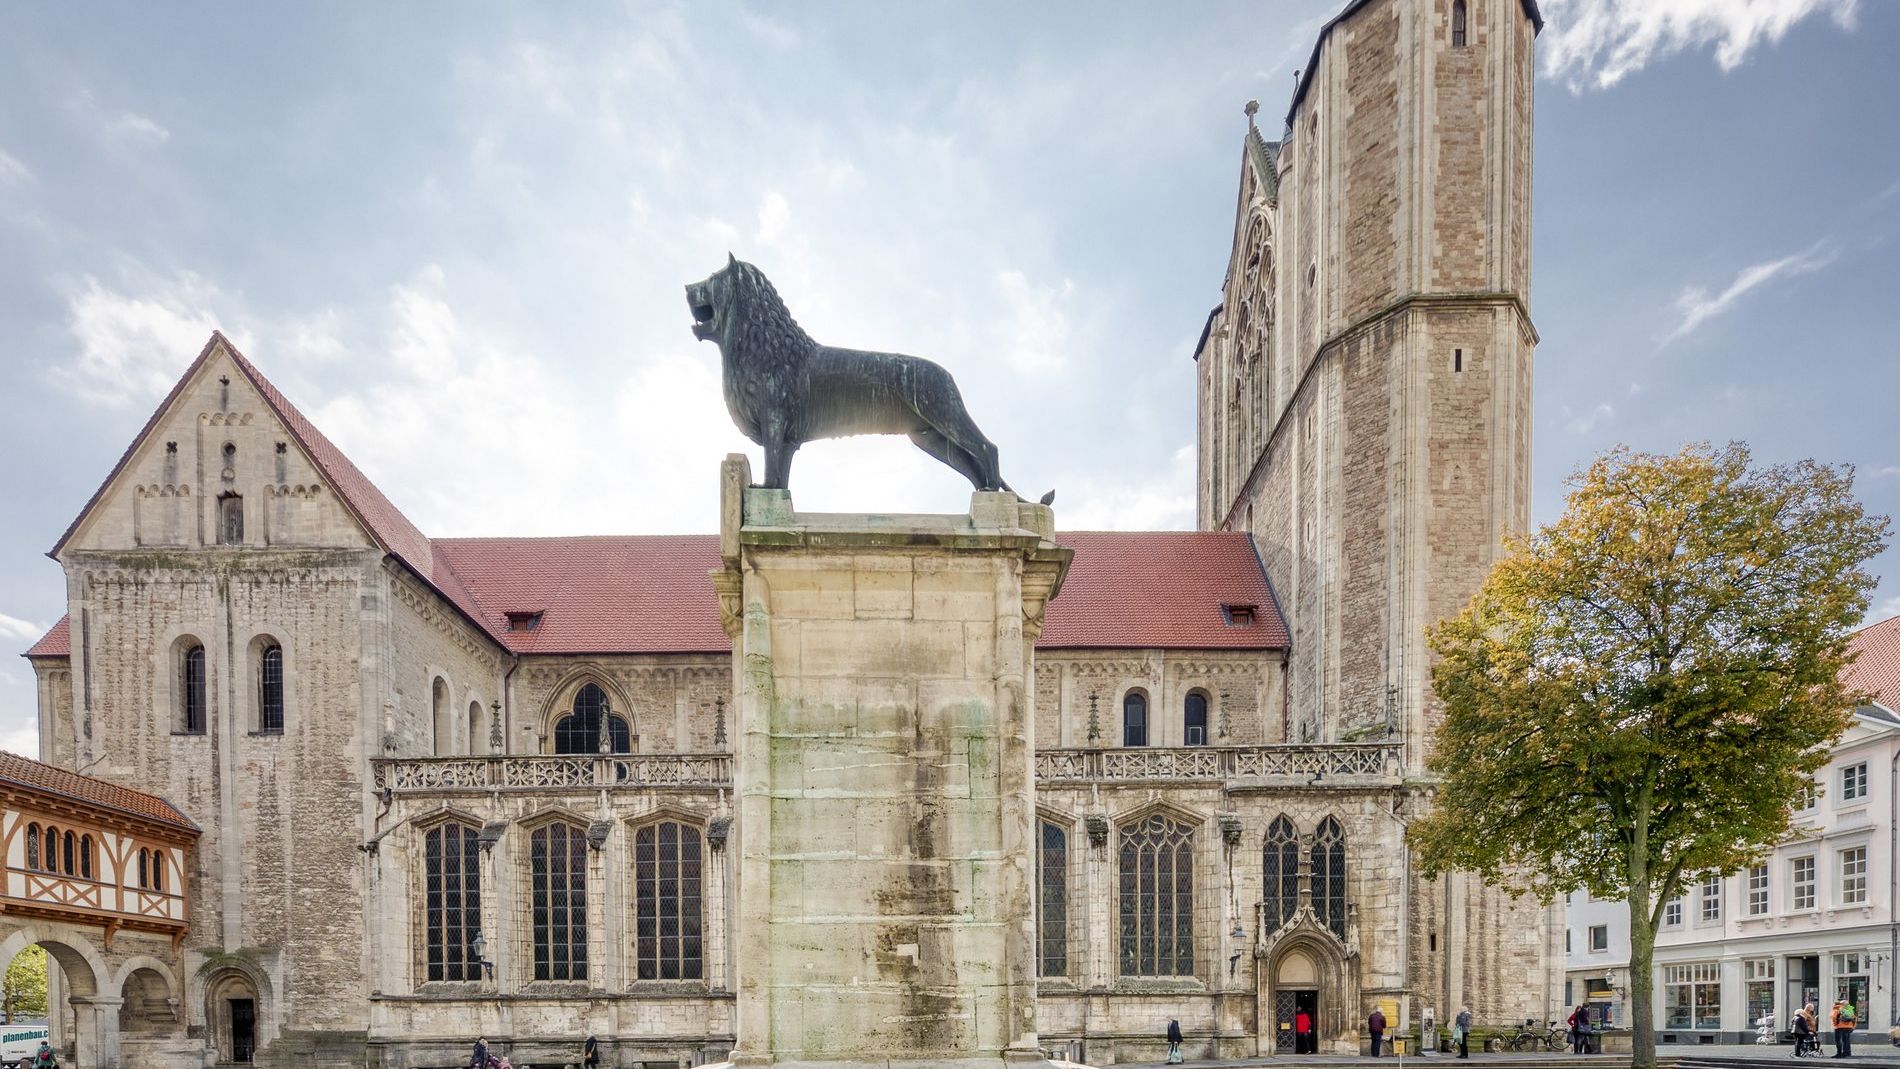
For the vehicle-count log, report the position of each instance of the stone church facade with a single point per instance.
(450, 787)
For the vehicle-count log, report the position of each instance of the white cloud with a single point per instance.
(12, 170)
(774, 212)
(1600, 42)
(22, 738)
(1162, 502)
(132, 346)
(119, 125)
(1037, 334)
(1697, 306)
(1586, 422)
(14, 629)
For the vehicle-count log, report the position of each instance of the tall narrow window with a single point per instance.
(579, 731)
(158, 871)
(192, 686)
(1758, 890)
(270, 690)
(1157, 898)
(444, 721)
(1052, 903)
(52, 849)
(1458, 23)
(477, 738)
(1801, 879)
(32, 846)
(231, 520)
(1194, 720)
(1329, 876)
(1280, 861)
(145, 868)
(1135, 719)
(85, 856)
(558, 862)
(452, 902)
(1711, 898)
(1853, 876)
(70, 854)
(667, 901)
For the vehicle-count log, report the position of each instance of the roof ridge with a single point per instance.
(46, 777)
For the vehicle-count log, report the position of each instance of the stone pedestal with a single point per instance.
(884, 778)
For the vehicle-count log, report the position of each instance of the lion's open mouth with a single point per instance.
(702, 314)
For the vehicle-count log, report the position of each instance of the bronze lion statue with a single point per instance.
(784, 389)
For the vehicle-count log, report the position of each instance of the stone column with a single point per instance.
(95, 1032)
(883, 773)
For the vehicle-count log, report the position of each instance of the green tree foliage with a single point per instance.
(23, 993)
(1641, 689)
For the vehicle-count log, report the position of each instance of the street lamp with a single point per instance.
(479, 947)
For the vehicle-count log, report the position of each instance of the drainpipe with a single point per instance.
(1893, 882)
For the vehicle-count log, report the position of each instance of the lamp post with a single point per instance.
(479, 947)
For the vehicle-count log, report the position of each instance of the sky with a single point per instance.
(456, 235)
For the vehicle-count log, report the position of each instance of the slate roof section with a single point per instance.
(57, 642)
(1876, 668)
(1162, 589)
(40, 776)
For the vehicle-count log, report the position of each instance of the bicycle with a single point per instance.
(1529, 1039)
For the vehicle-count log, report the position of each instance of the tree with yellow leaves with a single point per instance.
(1641, 689)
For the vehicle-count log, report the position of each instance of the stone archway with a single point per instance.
(93, 1042)
(151, 998)
(237, 1013)
(1306, 966)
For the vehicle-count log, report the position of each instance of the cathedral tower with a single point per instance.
(1364, 395)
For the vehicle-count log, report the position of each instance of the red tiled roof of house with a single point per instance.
(55, 643)
(1876, 669)
(40, 776)
(602, 594)
(1163, 590)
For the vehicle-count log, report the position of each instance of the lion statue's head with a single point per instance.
(737, 308)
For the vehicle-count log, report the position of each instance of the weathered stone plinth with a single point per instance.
(883, 774)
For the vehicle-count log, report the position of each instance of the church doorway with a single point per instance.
(1294, 1007)
(232, 1010)
(243, 1029)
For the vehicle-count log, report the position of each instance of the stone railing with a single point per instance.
(530, 772)
(1278, 765)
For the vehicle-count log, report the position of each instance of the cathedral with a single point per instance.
(432, 788)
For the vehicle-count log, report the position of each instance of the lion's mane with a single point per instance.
(763, 334)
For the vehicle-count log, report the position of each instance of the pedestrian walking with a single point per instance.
(1174, 1042)
(1303, 1033)
(479, 1059)
(1376, 1025)
(1579, 1022)
(1462, 1026)
(44, 1057)
(590, 1053)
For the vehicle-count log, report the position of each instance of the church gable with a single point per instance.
(217, 464)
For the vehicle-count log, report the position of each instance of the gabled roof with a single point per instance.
(55, 643)
(1876, 667)
(40, 776)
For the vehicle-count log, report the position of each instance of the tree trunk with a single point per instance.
(1642, 951)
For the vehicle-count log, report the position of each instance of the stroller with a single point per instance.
(1806, 1043)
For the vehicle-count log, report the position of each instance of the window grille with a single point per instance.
(1329, 876)
(1194, 720)
(667, 901)
(1052, 905)
(1157, 898)
(1281, 861)
(194, 681)
(558, 861)
(579, 732)
(1135, 720)
(270, 690)
(453, 902)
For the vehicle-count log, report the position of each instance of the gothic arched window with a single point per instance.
(452, 901)
(579, 731)
(32, 846)
(1329, 876)
(1135, 719)
(1052, 901)
(558, 863)
(145, 868)
(85, 856)
(270, 690)
(1280, 861)
(1458, 23)
(158, 871)
(71, 844)
(191, 687)
(1157, 898)
(1194, 719)
(51, 856)
(666, 895)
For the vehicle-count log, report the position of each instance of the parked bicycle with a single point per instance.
(1529, 1037)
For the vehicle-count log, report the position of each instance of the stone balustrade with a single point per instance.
(1343, 764)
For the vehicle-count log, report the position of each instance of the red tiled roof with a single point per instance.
(40, 776)
(1162, 590)
(1876, 669)
(650, 594)
(604, 594)
(55, 643)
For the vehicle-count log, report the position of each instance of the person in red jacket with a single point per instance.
(1303, 1034)
(1375, 1024)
